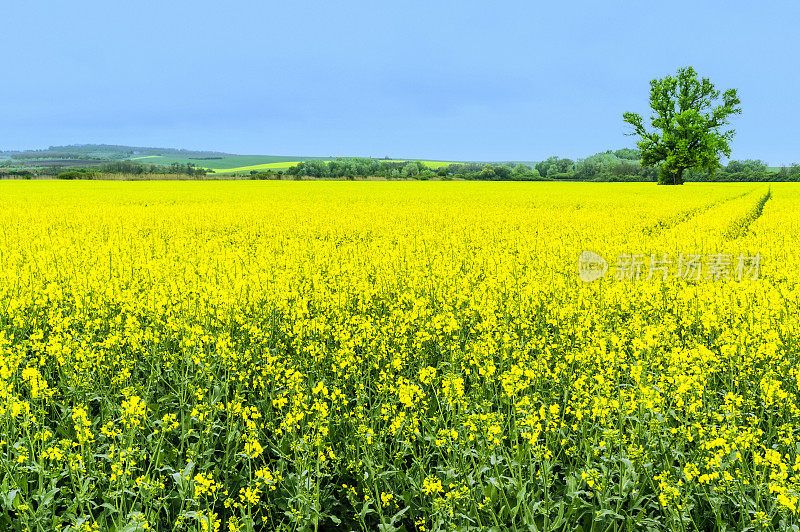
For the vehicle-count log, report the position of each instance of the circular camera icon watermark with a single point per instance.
(591, 266)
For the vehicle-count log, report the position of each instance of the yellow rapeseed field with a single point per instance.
(398, 356)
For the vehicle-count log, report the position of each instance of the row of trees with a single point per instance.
(747, 170)
(624, 165)
(112, 167)
(122, 167)
(362, 167)
(15, 173)
(619, 165)
(136, 168)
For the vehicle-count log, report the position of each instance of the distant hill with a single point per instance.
(114, 151)
(88, 155)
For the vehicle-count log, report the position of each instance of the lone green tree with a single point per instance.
(688, 117)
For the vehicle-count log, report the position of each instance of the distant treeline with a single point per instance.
(133, 167)
(361, 167)
(53, 168)
(623, 165)
(749, 170)
(620, 165)
(124, 167)
(15, 173)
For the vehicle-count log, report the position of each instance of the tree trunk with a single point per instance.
(677, 177)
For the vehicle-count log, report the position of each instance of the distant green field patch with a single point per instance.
(287, 164)
(267, 166)
(225, 164)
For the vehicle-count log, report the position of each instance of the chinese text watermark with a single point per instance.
(641, 266)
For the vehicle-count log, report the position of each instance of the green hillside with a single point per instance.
(224, 162)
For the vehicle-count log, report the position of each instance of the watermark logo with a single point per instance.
(591, 266)
(638, 266)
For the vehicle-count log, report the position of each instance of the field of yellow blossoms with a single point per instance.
(420, 356)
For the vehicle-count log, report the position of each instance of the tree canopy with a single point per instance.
(688, 117)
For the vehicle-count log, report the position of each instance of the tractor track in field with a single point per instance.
(661, 226)
(739, 227)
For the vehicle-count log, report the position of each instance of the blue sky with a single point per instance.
(445, 80)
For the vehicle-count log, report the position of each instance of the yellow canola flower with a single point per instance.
(432, 486)
(133, 411)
